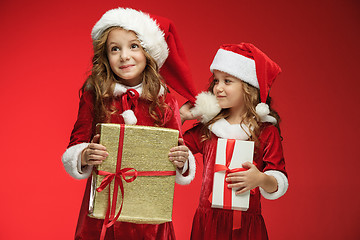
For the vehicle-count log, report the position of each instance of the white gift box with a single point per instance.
(222, 196)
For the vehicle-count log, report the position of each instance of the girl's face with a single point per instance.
(126, 56)
(229, 91)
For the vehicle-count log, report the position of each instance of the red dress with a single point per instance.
(90, 228)
(212, 223)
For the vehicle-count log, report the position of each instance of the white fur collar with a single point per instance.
(223, 129)
(120, 89)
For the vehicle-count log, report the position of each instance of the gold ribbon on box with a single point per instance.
(150, 143)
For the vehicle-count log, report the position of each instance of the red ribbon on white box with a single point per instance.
(230, 155)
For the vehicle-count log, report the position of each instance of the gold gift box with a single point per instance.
(148, 199)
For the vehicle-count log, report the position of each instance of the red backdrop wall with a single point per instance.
(46, 52)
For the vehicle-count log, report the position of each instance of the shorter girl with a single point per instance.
(242, 76)
(125, 86)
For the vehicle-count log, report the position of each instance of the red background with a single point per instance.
(45, 53)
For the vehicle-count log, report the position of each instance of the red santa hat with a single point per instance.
(159, 38)
(247, 63)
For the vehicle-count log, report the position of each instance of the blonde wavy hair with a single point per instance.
(101, 83)
(250, 118)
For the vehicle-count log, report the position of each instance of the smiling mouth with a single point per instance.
(126, 66)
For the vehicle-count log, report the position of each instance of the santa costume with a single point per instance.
(246, 62)
(158, 37)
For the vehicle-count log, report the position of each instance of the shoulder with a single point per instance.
(268, 127)
(88, 95)
(269, 132)
(169, 98)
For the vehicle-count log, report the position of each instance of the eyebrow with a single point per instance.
(228, 75)
(133, 40)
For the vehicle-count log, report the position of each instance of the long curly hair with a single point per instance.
(249, 118)
(101, 83)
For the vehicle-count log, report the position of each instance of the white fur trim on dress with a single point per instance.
(120, 89)
(223, 129)
(206, 107)
(184, 180)
(129, 117)
(236, 65)
(282, 182)
(72, 161)
(150, 35)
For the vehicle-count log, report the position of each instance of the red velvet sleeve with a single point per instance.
(192, 138)
(83, 128)
(172, 115)
(272, 151)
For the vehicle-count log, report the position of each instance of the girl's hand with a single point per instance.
(185, 113)
(245, 180)
(179, 155)
(95, 153)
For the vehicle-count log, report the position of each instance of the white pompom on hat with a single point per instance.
(249, 64)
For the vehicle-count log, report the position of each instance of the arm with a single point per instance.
(272, 181)
(274, 161)
(77, 155)
(185, 113)
(250, 179)
(180, 156)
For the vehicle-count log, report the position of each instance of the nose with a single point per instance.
(124, 55)
(218, 88)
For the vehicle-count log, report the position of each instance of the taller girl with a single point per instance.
(125, 86)
(242, 76)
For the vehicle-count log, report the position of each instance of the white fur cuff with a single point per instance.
(206, 106)
(184, 180)
(283, 185)
(129, 117)
(72, 162)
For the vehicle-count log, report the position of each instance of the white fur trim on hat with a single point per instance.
(236, 65)
(147, 30)
(184, 180)
(72, 161)
(282, 182)
(263, 110)
(206, 107)
(223, 129)
(129, 117)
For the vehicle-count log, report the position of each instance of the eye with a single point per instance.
(134, 46)
(227, 81)
(114, 49)
(216, 81)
